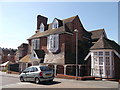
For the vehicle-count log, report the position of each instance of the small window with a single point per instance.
(35, 43)
(101, 69)
(42, 27)
(107, 70)
(107, 53)
(100, 60)
(55, 24)
(95, 53)
(107, 60)
(100, 53)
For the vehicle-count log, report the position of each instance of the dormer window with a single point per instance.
(55, 24)
(42, 27)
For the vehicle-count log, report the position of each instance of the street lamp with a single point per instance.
(76, 31)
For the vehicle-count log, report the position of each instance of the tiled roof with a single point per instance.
(104, 43)
(48, 32)
(53, 31)
(26, 59)
(96, 34)
(69, 19)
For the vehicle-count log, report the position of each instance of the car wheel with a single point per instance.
(22, 79)
(51, 80)
(37, 81)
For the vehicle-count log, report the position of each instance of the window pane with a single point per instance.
(38, 43)
(95, 53)
(53, 43)
(107, 60)
(100, 60)
(100, 53)
(107, 70)
(101, 69)
(42, 27)
(107, 53)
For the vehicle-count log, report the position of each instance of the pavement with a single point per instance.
(10, 75)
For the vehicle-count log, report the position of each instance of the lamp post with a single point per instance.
(76, 31)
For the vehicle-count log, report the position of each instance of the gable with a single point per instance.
(96, 34)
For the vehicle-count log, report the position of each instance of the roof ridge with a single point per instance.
(102, 43)
(69, 18)
(97, 30)
(105, 41)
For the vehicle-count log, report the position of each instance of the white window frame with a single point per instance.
(42, 27)
(53, 43)
(55, 24)
(94, 63)
(35, 44)
(0, 57)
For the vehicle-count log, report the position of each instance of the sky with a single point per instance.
(18, 19)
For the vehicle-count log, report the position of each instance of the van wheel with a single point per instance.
(37, 81)
(22, 79)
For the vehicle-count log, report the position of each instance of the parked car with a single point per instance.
(37, 74)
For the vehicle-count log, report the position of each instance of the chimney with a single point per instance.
(41, 19)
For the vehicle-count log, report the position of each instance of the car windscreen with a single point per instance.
(45, 68)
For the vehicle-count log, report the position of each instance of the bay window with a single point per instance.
(35, 44)
(53, 43)
(102, 59)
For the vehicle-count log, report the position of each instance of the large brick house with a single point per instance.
(55, 44)
(57, 39)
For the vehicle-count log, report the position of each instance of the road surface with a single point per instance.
(12, 81)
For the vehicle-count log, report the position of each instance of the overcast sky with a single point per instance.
(18, 19)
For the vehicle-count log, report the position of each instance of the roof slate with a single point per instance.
(69, 19)
(25, 59)
(53, 31)
(96, 34)
(48, 32)
(104, 43)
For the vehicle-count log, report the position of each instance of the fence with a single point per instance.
(13, 67)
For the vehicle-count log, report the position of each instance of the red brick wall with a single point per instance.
(69, 49)
(82, 32)
(43, 43)
(117, 66)
(62, 42)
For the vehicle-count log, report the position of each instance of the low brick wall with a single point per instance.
(12, 72)
(74, 77)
